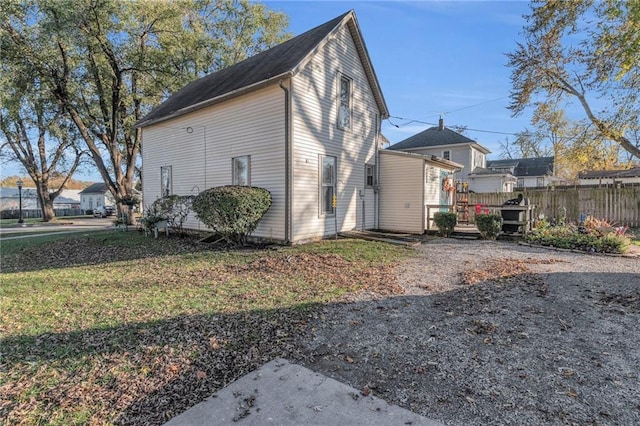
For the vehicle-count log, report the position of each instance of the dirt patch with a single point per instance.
(494, 333)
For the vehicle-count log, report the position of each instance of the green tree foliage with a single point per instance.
(576, 146)
(232, 211)
(107, 63)
(36, 135)
(587, 52)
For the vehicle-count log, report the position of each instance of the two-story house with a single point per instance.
(451, 145)
(301, 120)
(529, 172)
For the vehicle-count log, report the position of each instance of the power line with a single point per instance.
(409, 121)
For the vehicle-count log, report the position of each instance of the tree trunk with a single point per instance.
(48, 213)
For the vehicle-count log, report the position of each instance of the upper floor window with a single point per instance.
(540, 181)
(520, 183)
(478, 159)
(165, 181)
(241, 169)
(344, 103)
(369, 175)
(446, 155)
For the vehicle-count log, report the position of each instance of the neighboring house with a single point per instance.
(94, 196)
(529, 172)
(301, 119)
(447, 144)
(10, 198)
(610, 177)
(68, 199)
(485, 180)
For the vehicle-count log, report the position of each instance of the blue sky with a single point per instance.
(431, 58)
(434, 57)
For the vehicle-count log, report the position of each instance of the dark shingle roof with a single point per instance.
(483, 171)
(431, 137)
(539, 166)
(264, 67)
(95, 188)
(594, 174)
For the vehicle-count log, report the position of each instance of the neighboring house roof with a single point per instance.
(268, 67)
(436, 136)
(14, 192)
(486, 172)
(595, 174)
(539, 166)
(96, 188)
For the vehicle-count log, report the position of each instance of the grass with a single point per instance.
(37, 220)
(102, 327)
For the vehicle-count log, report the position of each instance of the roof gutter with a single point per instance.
(229, 95)
(287, 163)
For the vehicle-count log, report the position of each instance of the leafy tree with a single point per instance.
(576, 146)
(107, 63)
(585, 51)
(36, 135)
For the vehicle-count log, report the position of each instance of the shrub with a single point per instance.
(445, 222)
(489, 225)
(571, 237)
(174, 209)
(232, 211)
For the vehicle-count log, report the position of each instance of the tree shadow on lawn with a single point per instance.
(93, 249)
(145, 372)
(532, 348)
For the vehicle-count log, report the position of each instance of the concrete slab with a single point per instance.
(282, 393)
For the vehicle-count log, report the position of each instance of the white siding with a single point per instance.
(315, 133)
(461, 154)
(199, 146)
(402, 193)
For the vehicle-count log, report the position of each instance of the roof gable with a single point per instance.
(95, 188)
(264, 68)
(436, 136)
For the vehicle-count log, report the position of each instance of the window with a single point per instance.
(165, 181)
(520, 182)
(540, 181)
(327, 185)
(344, 103)
(241, 168)
(478, 159)
(446, 155)
(369, 175)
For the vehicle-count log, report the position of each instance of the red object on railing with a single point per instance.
(480, 209)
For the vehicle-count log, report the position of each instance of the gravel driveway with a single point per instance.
(494, 333)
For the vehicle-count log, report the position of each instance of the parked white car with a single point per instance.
(104, 211)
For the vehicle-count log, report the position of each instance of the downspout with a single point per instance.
(287, 175)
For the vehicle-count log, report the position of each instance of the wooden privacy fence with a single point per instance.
(619, 206)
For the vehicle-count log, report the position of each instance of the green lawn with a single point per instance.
(102, 327)
(37, 220)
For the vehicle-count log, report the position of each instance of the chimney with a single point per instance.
(441, 124)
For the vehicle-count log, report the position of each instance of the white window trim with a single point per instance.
(168, 190)
(233, 169)
(373, 175)
(342, 76)
(321, 185)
